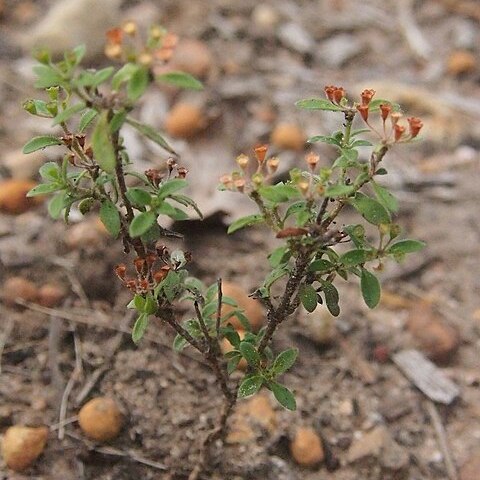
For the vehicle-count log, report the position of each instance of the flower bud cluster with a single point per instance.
(125, 44)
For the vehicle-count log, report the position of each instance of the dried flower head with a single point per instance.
(367, 96)
(182, 172)
(239, 185)
(312, 160)
(329, 89)
(120, 271)
(398, 132)
(338, 94)
(226, 181)
(303, 186)
(260, 153)
(130, 28)
(272, 164)
(395, 117)
(242, 161)
(415, 125)
(385, 110)
(114, 36)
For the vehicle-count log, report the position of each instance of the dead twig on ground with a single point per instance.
(76, 374)
(442, 439)
(4, 337)
(131, 455)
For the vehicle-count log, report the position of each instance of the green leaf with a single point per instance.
(118, 120)
(331, 298)
(179, 343)
(110, 217)
(385, 197)
(339, 190)
(279, 193)
(275, 275)
(171, 186)
(353, 257)
(284, 361)
(142, 223)
(279, 256)
(250, 353)
(138, 83)
(102, 75)
(56, 205)
(37, 107)
(123, 75)
(69, 112)
(50, 171)
(318, 104)
(139, 197)
(86, 119)
(47, 76)
(233, 362)
(361, 143)
(308, 297)
(320, 265)
(370, 287)
(283, 395)
(243, 222)
(373, 211)
(181, 80)
(151, 134)
(324, 139)
(44, 188)
(187, 202)
(250, 385)
(140, 328)
(405, 246)
(102, 144)
(356, 234)
(139, 303)
(37, 143)
(171, 211)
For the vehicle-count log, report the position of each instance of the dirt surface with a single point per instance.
(373, 422)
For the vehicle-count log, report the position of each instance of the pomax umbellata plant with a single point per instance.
(91, 107)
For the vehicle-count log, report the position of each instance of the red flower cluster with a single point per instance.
(334, 94)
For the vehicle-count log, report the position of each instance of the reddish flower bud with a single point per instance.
(399, 131)
(114, 36)
(89, 152)
(154, 176)
(139, 264)
(415, 125)
(120, 271)
(338, 94)
(170, 40)
(80, 137)
(239, 185)
(367, 96)
(151, 259)
(182, 172)
(226, 181)
(143, 285)
(329, 89)
(363, 110)
(272, 164)
(161, 274)
(260, 152)
(131, 285)
(385, 110)
(291, 232)
(312, 160)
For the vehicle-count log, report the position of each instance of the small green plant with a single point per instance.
(91, 107)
